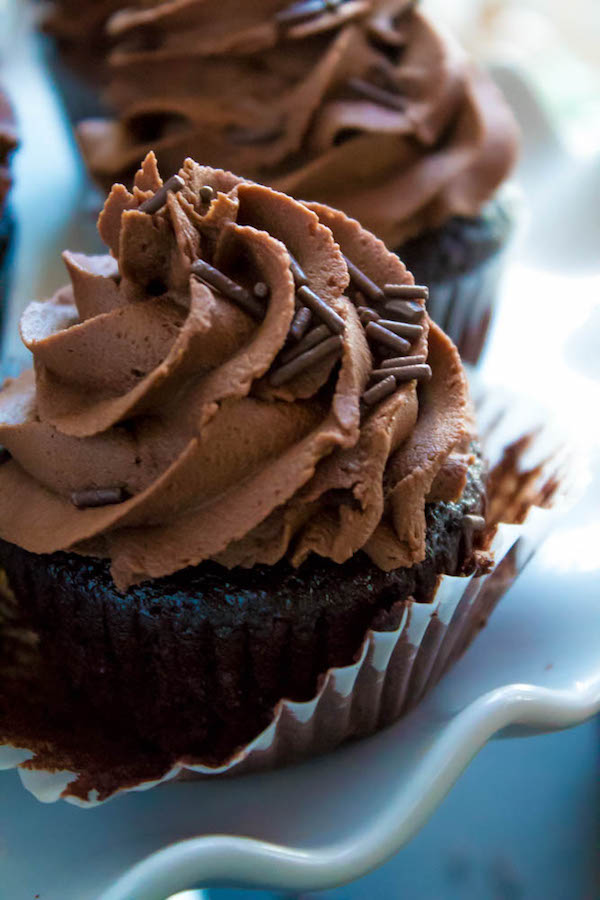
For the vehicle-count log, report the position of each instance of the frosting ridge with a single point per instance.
(367, 107)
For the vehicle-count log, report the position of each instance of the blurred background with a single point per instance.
(523, 823)
(554, 42)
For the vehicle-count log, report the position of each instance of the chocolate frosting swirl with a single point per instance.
(149, 381)
(366, 107)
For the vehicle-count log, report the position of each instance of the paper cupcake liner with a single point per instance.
(393, 670)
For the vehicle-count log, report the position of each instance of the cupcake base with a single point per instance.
(462, 264)
(192, 666)
(391, 671)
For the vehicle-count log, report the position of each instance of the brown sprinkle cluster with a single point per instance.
(391, 329)
(310, 343)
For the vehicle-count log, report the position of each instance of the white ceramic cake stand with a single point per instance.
(535, 668)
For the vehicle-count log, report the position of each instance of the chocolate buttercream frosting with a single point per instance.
(152, 431)
(360, 104)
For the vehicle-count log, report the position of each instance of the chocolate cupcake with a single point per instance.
(8, 142)
(243, 445)
(372, 111)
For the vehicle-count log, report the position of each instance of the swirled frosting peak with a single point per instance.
(360, 104)
(177, 412)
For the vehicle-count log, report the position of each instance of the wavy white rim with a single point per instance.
(252, 863)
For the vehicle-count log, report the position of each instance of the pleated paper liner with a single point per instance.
(394, 669)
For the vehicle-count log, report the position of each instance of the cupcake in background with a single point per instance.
(364, 106)
(8, 143)
(76, 47)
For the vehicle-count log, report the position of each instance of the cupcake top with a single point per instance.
(360, 104)
(244, 378)
(8, 142)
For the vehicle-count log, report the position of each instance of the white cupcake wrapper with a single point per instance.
(393, 670)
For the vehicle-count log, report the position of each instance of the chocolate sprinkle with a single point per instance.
(228, 288)
(379, 391)
(300, 323)
(398, 361)
(406, 291)
(411, 332)
(404, 373)
(314, 337)
(297, 271)
(261, 290)
(375, 331)
(363, 283)
(331, 346)
(153, 204)
(95, 497)
(377, 94)
(321, 309)
(366, 315)
(207, 194)
(405, 310)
